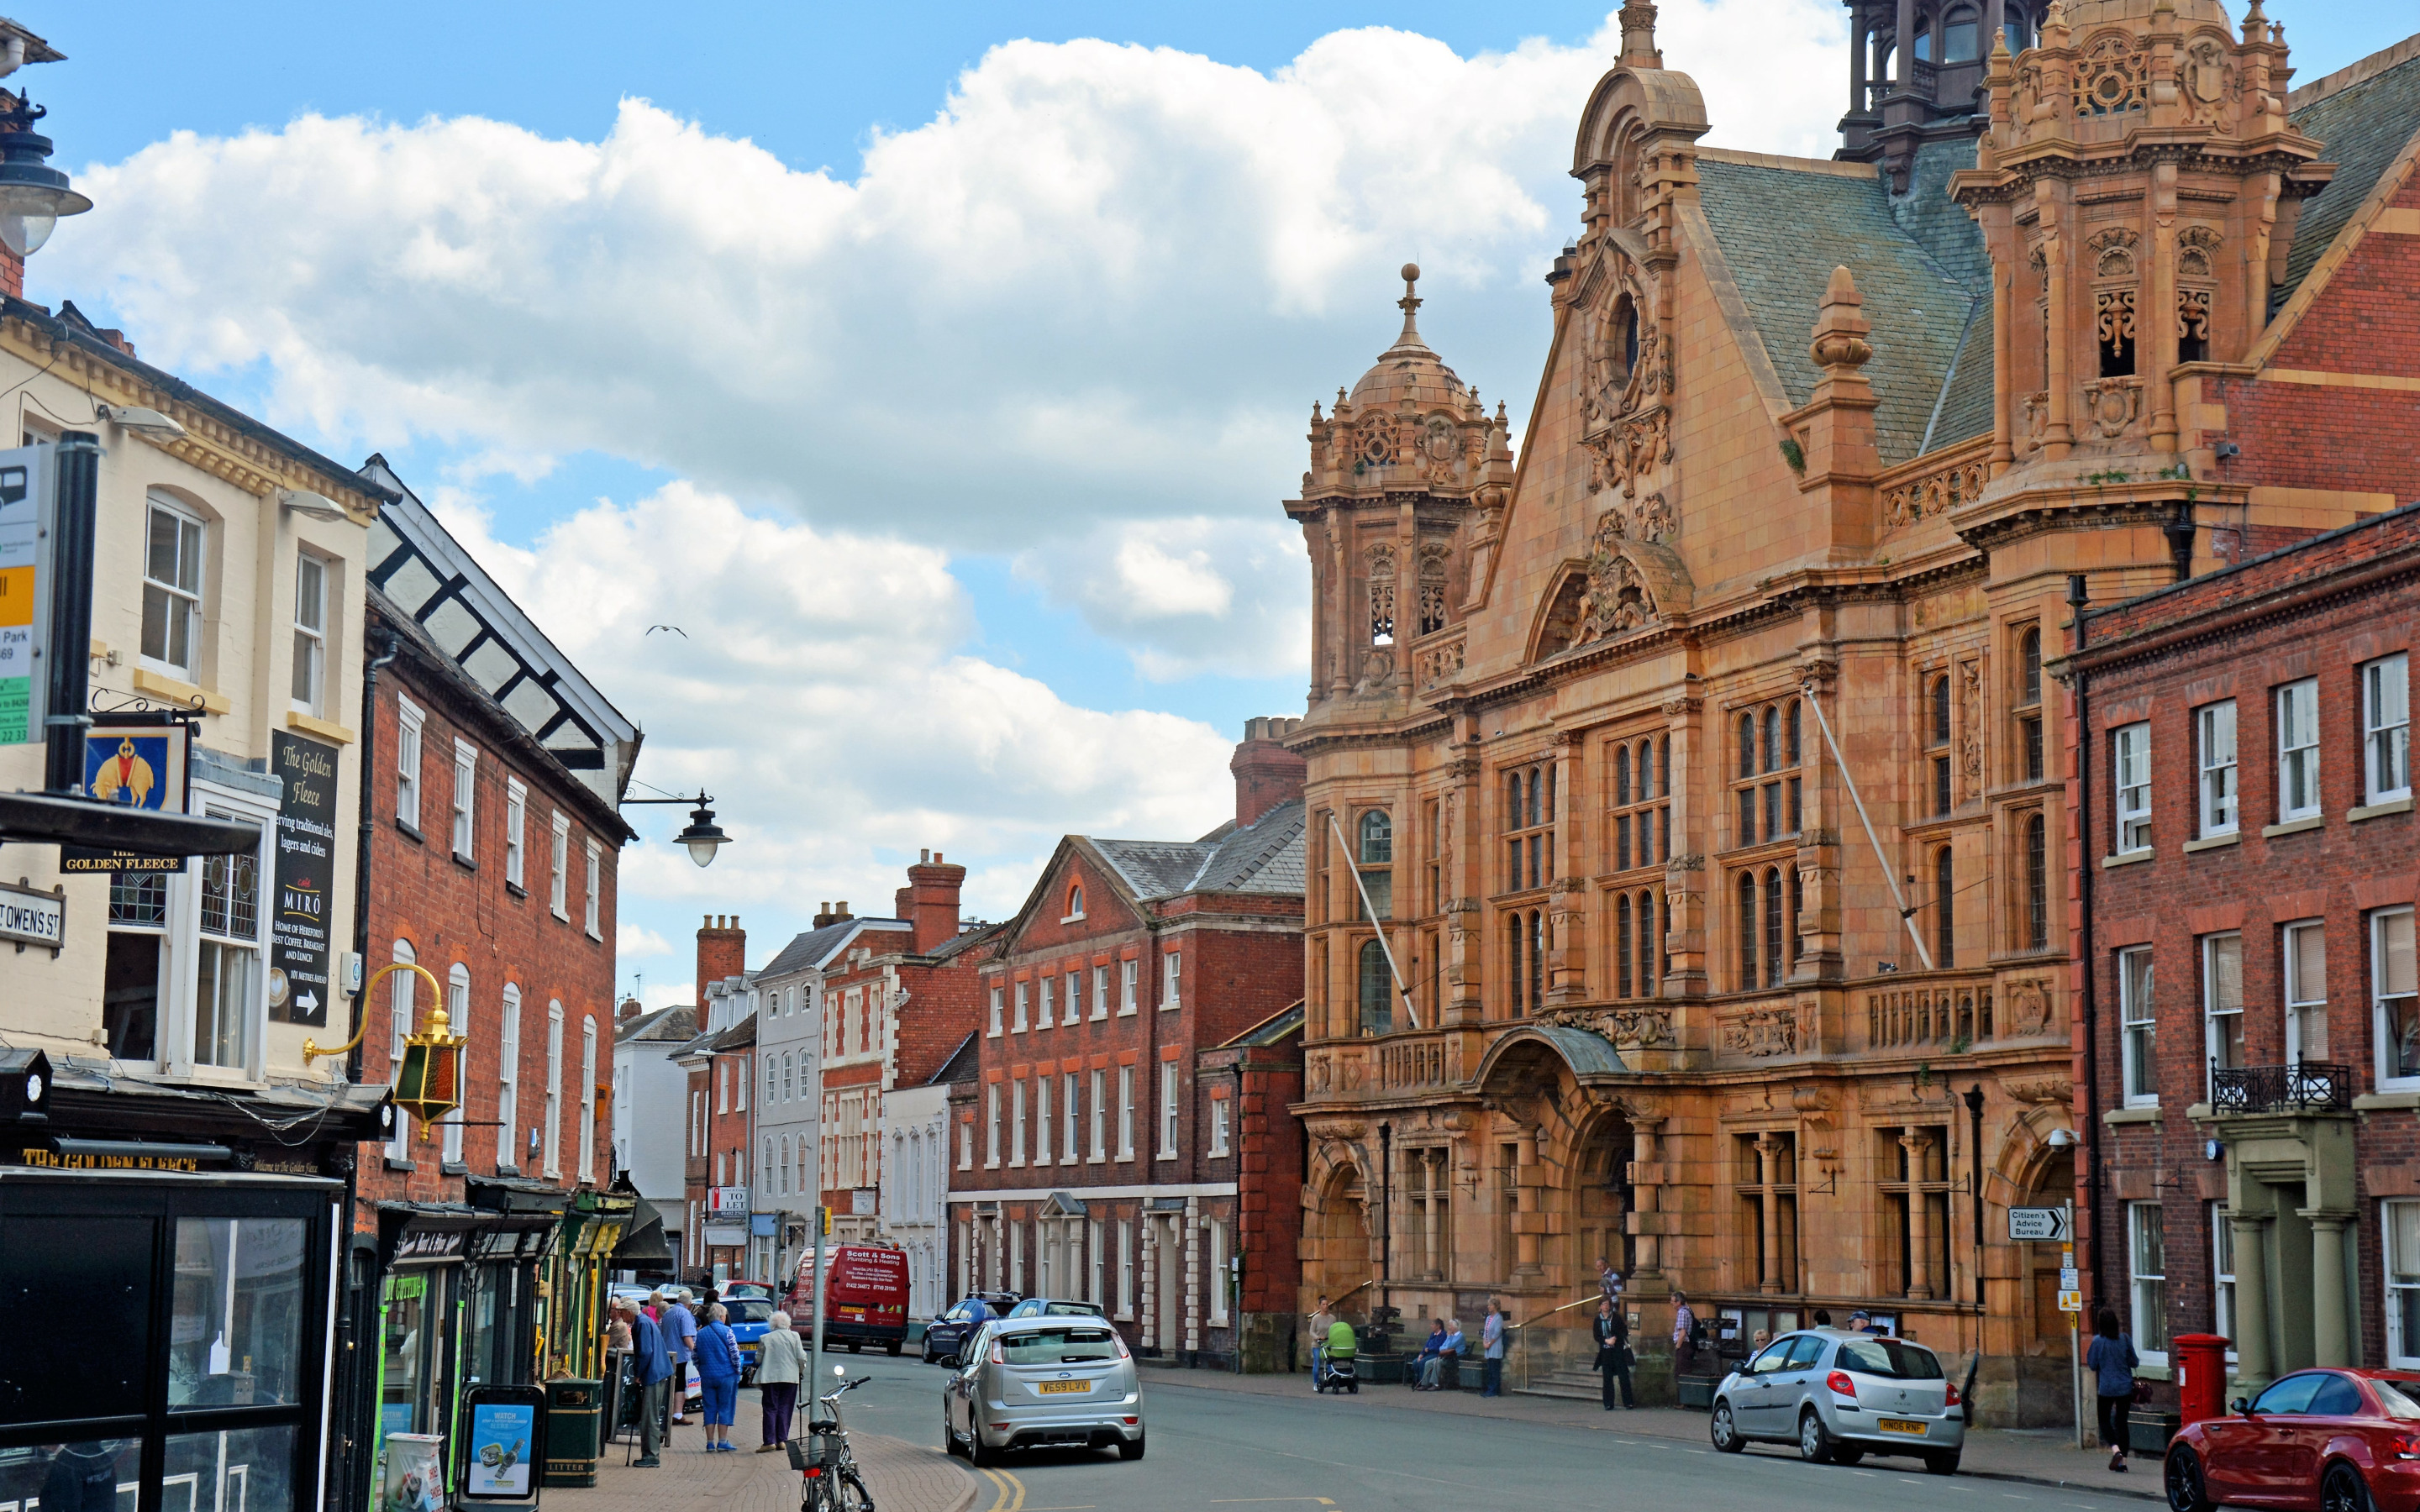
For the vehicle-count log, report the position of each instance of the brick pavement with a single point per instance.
(2041, 1458)
(900, 1476)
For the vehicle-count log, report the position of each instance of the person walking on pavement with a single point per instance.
(680, 1337)
(651, 1367)
(718, 1376)
(781, 1365)
(1320, 1316)
(1613, 1353)
(2112, 1361)
(1491, 1335)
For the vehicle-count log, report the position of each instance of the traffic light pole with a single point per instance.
(815, 1354)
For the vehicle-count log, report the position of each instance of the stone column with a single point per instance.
(2331, 1337)
(1684, 870)
(1193, 1276)
(1524, 1182)
(2059, 435)
(1149, 1259)
(2159, 321)
(1903, 49)
(1644, 1189)
(1768, 1171)
(1919, 1216)
(1859, 33)
(2252, 1366)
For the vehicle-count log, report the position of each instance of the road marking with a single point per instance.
(1244, 1501)
(1012, 1491)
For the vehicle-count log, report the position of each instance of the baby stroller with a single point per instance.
(1333, 1365)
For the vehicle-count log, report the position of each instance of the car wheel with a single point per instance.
(1726, 1431)
(2187, 1491)
(891, 1349)
(949, 1437)
(1847, 1454)
(2344, 1490)
(978, 1453)
(1130, 1448)
(1941, 1462)
(1814, 1445)
(856, 1348)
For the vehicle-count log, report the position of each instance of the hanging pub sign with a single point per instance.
(133, 765)
(24, 592)
(306, 859)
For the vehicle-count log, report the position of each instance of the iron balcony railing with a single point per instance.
(2305, 1084)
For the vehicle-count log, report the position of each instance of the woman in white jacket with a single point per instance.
(781, 1365)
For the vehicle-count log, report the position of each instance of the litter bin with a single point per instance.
(2201, 1377)
(574, 1417)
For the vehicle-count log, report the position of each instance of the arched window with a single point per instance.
(1076, 902)
(1377, 839)
(1944, 891)
(1747, 745)
(1773, 737)
(2036, 883)
(1537, 961)
(1377, 998)
(1768, 796)
(1797, 914)
(1622, 947)
(1936, 742)
(1515, 972)
(1773, 956)
(1749, 978)
(1962, 37)
(457, 1015)
(1529, 822)
(2029, 666)
(1621, 775)
(1793, 749)
(782, 1168)
(1636, 821)
(789, 1069)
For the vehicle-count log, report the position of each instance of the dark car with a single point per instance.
(2327, 1439)
(945, 1334)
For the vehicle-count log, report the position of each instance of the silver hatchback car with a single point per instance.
(1030, 1382)
(1840, 1396)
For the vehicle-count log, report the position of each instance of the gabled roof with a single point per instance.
(1279, 1027)
(965, 1062)
(2366, 118)
(738, 1036)
(424, 571)
(968, 939)
(816, 949)
(1265, 857)
(666, 1024)
(1781, 224)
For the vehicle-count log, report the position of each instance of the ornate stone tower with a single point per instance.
(2137, 187)
(1406, 457)
(1916, 73)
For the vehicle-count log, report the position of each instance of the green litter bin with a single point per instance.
(574, 1424)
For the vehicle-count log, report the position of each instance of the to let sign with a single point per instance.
(2038, 1225)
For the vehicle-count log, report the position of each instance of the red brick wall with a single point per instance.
(2338, 872)
(457, 912)
(721, 951)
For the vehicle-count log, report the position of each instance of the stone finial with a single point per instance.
(1638, 49)
(1410, 303)
(1840, 331)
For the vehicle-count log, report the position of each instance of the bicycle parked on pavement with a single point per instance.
(831, 1480)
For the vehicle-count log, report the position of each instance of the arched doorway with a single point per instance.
(1340, 1247)
(1602, 1197)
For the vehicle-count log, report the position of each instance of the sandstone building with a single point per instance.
(1686, 833)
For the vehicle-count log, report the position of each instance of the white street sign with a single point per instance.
(2038, 1226)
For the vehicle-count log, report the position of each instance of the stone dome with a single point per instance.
(2083, 15)
(1408, 369)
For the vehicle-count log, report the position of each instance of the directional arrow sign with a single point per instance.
(308, 1002)
(2038, 1226)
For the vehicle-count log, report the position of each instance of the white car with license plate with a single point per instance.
(1037, 1382)
(1840, 1396)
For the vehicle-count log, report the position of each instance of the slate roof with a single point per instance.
(963, 1064)
(1782, 230)
(815, 946)
(2361, 128)
(670, 1025)
(1275, 1029)
(1265, 857)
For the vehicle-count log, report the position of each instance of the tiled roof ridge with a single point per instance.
(2353, 74)
(1790, 164)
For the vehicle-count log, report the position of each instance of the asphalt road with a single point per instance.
(1220, 1451)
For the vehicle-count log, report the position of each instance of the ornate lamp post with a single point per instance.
(428, 1083)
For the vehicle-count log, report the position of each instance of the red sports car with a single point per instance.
(2329, 1440)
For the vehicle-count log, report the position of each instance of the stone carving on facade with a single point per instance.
(2046, 1089)
(2208, 75)
(2197, 251)
(1377, 669)
(1762, 1032)
(1435, 666)
(2112, 252)
(1615, 599)
(1373, 441)
(2033, 422)
(1627, 1029)
(2112, 404)
(1935, 493)
(1630, 448)
(1688, 861)
(1970, 677)
(1817, 838)
(2029, 1007)
(2193, 317)
(2113, 75)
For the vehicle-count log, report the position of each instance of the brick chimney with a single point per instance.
(628, 1011)
(721, 951)
(1266, 774)
(930, 901)
(831, 913)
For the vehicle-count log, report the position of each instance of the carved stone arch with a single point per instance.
(1624, 585)
(2197, 251)
(2026, 1153)
(1628, 103)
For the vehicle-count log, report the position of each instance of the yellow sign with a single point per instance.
(2071, 1302)
(108, 1162)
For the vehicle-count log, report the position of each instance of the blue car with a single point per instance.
(751, 1320)
(946, 1335)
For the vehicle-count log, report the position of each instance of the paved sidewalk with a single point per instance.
(2038, 1457)
(900, 1476)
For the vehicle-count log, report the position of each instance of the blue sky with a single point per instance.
(941, 367)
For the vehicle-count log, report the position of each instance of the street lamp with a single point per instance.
(703, 837)
(428, 1081)
(33, 194)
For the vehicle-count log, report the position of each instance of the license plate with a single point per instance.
(1900, 1424)
(1055, 1388)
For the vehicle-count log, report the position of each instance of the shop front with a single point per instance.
(592, 1229)
(171, 1302)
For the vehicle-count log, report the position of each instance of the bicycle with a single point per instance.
(832, 1482)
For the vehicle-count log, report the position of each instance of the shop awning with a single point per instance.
(645, 1246)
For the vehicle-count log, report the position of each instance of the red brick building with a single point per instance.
(495, 767)
(1126, 1138)
(720, 1061)
(2242, 860)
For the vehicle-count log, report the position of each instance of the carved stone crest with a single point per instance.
(1616, 599)
(1764, 1031)
(1628, 1028)
(2110, 406)
(2029, 1007)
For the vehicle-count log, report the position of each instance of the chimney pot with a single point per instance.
(1266, 773)
(925, 857)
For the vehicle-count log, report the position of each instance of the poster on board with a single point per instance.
(306, 861)
(500, 1454)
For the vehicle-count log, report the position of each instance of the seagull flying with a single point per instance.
(673, 629)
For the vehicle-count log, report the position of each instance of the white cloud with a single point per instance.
(816, 694)
(1103, 282)
(632, 940)
(1186, 596)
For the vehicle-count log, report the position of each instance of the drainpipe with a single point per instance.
(2076, 600)
(362, 846)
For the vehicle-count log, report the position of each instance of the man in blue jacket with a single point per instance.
(652, 1367)
(680, 1339)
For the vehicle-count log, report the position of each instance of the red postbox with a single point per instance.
(2201, 1376)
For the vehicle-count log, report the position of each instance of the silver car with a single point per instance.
(1028, 1383)
(1840, 1396)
